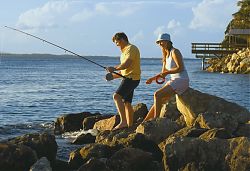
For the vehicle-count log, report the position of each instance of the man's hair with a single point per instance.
(119, 36)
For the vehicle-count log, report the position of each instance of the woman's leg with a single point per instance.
(150, 114)
(161, 96)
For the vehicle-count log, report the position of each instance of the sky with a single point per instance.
(86, 27)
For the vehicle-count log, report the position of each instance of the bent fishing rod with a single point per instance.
(66, 50)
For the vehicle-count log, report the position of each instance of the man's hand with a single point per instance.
(110, 69)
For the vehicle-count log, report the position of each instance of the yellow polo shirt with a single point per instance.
(134, 70)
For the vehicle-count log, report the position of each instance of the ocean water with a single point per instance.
(36, 89)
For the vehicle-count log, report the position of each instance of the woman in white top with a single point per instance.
(173, 65)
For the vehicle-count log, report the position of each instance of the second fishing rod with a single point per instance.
(108, 76)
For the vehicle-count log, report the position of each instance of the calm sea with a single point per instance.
(36, 89)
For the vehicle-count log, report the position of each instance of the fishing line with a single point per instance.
(66, 50)
(2, 48)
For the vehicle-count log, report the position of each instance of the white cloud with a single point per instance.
(122, 9)
(87, 12)
(173, 24)
(42, 17)
(159, 30)
(211, 14)
(138, 36)
(102, 8)
(173, 27)
(82, 16)
(114, 8)
(129, 10)
(56, 13)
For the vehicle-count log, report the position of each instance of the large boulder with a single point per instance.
(60, 165)
(238, 156)
(16, 157)
(243, 130)
(107, 124)
(189, 132)
(131, 159)
(217, 120)
(193, 103)
(107, 136)
(84, 139)
(82, 155)
(41, 165)
(133, 140)
(216, 133)
(89, 122)
(140, 111)
(109, 148)
(209, 154)
(184, 132)
(169, 110)
(71, 122)
(159, 129)
(238, 63)
(43, 144)
(94, 164)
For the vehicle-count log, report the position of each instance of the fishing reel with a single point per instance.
(109, 76)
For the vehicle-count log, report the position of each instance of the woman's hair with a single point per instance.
(171, 43)
(119, 36)
(164, 53)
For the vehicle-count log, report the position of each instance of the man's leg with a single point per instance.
(121, 110)
(129, 113)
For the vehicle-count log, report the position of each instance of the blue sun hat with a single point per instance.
(163, 36)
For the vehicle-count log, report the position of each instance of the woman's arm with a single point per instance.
(164, 55)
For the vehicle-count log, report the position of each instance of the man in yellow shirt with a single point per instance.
(129, 67)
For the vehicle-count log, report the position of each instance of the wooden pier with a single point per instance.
(214, 50)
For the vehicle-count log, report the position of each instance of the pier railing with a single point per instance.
(215, 49)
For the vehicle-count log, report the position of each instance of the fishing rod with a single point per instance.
(109, 76)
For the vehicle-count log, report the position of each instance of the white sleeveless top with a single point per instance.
(170, 63)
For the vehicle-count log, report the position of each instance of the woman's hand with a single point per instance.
(160, 79)
(149, 81)
(163, 74)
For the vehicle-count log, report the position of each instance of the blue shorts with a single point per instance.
(126, 89)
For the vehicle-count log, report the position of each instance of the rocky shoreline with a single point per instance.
(196, 131)
(237, 63)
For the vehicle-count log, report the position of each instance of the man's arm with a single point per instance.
(124, 65)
